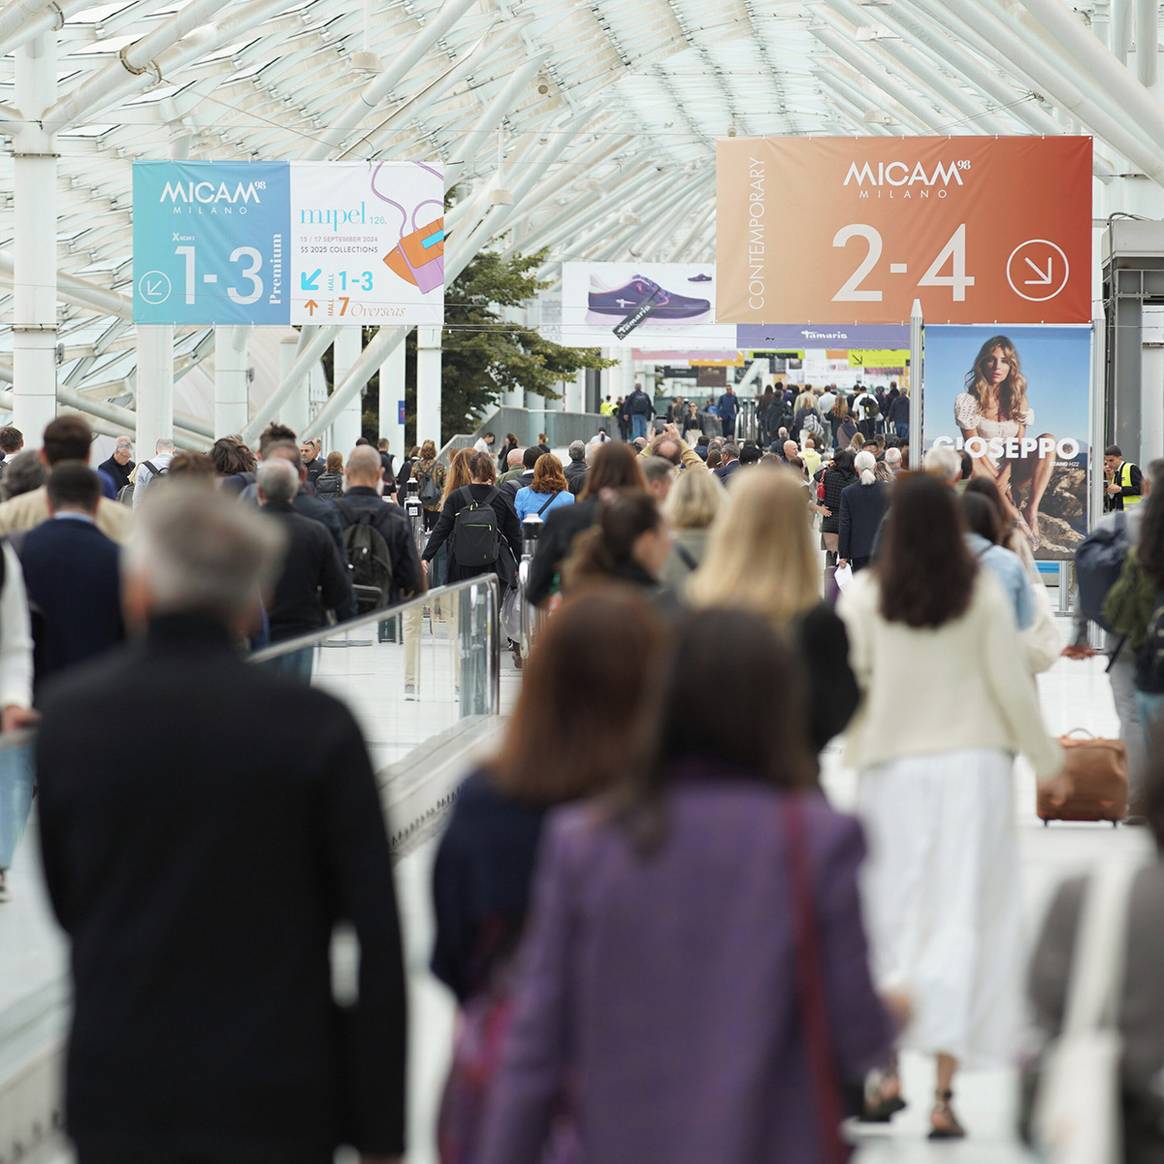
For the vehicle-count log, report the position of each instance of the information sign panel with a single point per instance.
(853, 230)
(288, 242)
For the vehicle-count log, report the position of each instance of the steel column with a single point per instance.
(1147, 36)
(428, 385)
(34, 168)
(392, 401)
(155, 386)
(348, 425)
(231, 391)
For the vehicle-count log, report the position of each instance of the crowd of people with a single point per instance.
(664, 942)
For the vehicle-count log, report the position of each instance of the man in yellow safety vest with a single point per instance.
(1125, 482)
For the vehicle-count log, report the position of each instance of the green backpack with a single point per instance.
(1129, 604)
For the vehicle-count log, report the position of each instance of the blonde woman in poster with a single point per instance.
(995, 408)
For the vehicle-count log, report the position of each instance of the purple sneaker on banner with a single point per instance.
(665, 306)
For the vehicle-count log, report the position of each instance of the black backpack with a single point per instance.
(369, 559)
(428, 492)
(125, 493)
(476, 536)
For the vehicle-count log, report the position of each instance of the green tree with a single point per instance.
(483, 354)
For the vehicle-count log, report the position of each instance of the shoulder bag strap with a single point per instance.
(810, 984)
(686, 557)
(549, 502)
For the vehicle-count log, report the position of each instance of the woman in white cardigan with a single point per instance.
(947, 704)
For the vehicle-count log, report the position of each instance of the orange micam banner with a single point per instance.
(853, 230)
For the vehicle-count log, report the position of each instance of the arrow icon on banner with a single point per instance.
(309, 282)
(1044, 279)
(311, 305)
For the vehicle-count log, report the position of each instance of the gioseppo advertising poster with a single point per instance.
(664, 305)
(853, 230)
(288, 242)
(1016, 399)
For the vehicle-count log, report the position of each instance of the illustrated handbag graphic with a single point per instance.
(419, 257)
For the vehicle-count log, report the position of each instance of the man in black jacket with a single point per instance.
(305, 503)
(364, 478)
(313, 579)
(200, 891)
(529, 459)
(576, 469)
(120, 465)
(72, 573)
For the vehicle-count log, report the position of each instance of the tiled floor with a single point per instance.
(1073, 695)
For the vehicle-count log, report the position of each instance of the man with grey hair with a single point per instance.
(313, 579)
(576, 469)
(156, 466)
(944, 463)
(893, 461)
(214, 881)
(660, 475)
(120, 465)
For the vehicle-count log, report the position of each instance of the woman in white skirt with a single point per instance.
(947, 704)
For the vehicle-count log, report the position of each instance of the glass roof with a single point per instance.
(653, 82)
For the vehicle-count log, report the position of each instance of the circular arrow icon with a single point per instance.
(154, 287)
(1037, 270)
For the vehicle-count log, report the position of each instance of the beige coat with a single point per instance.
(30, 509)
(962, 686)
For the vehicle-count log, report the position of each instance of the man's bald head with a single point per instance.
(791, 449)
(515, 458)
(364, 467)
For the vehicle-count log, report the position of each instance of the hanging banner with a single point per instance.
(666, 306)
(1017, 400)
(879, 358)
(288, 242)
(977, 228)
(769, 336)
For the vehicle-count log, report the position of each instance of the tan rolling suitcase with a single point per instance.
(1098, 772)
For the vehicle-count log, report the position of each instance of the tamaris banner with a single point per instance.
(853, 230)
(1017, 400)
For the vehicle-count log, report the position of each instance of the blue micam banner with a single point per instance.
(288, 243)
(1017, 399)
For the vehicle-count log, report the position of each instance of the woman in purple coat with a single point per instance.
(694, 983)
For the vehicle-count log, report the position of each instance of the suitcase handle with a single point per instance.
(1082, 731)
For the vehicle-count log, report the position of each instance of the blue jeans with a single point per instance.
(638, 426)
(296, 665)
(1151, 709)
(902, 430)
(16, 781)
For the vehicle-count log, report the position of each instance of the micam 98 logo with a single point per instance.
(899, 174)
(190, 197)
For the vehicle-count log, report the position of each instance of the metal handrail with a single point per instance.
(375, 617)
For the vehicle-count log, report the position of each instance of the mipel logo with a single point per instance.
(211, 193)
(900, 173)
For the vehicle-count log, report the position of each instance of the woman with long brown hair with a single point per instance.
(947, 705)
(628, 543)
(994, 408)
(615, 467)
(548, 490)
(666, 991)
(580, 724)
